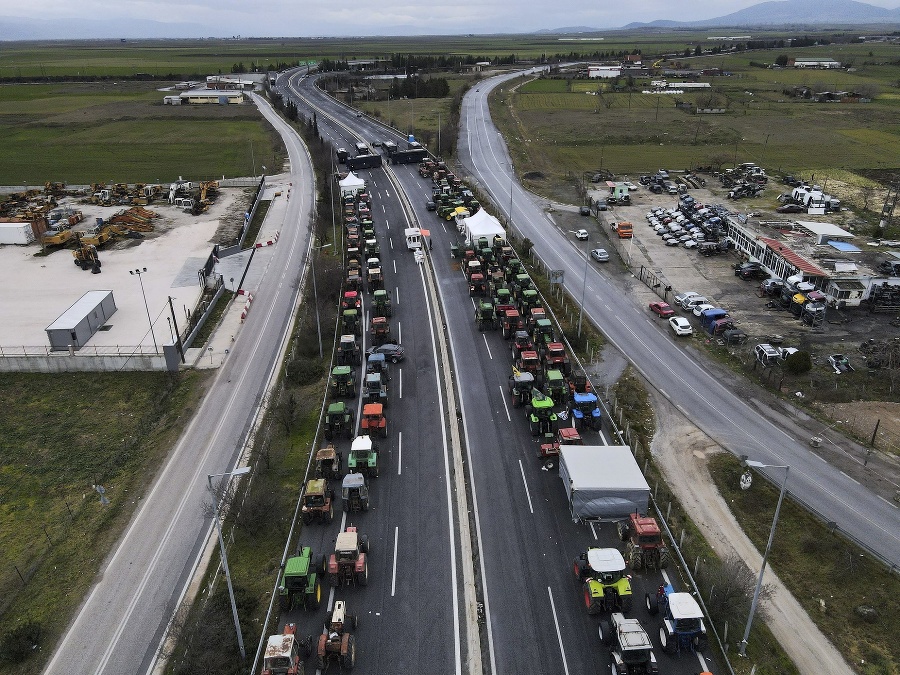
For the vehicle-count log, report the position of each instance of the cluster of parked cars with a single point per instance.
(691, 225)
(714, 319)
(675, 228)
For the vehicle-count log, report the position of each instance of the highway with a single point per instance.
(525, 537)
(696, 389)
(119, 627)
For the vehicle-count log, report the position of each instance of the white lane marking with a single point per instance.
(608, 308)
(562, 649)
(886, 501)
(593, 530)
(399, 333)
(395, 266)
(382, 209)
(400, 375)
(665, 577)
(503, 398)
(591, 288)
(391, 242)
(396, 294)
(488, 347)
(394, 576)
(820, 458)
(387, 193)
(703, 665)
(399, 459)
(850, 477)
(387, 225)
(525, 483)
(444, 226)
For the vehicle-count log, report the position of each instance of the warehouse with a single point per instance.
(211, 96)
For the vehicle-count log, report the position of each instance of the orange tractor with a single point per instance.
(374, 423)
(336, 644)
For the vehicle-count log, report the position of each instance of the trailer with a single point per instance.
(18, 233)
(409, 156)
(602, 482)
(364, 162)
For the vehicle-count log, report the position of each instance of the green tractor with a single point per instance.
(343, 382)
(542, 334)
(372, 249)
(605, 584)
(541, 417)
(555, 385)
(513, 269)
(486, 316)
(350, 323)
(382, 301)
(363, 457)
(338, 419)
(348, 351)
(529, 298)
(300, 583)
(521, 283)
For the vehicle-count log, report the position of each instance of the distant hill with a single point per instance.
(794, 12)
(16, 28)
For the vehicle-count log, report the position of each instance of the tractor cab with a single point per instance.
(373, 420)
(317, 502)
(328, 463)
(520, 386)
(363, 456)
(282, 655)
(300, 584)
(348, 351)
(336, 644)
(377, 363)
(585, 411)
(355, 493)
(579, 384)
(528, 299)
(644, 546)
(354, 259)
(535, 314)
(541, 417)
(683, 627)
(477, 284)
(343, 382)
(351, 300)
(555, 385)
(485, 315)
(382, 303)
(503, 302)
(338, 419)
(530, 362)
(473, 267)
(521, 342)
(380, 330)
(543, 333)
(350, 322)
(521, 283)
(606, 585)
(373, 263)
(372, 249)
(512, 322)
(376, 389)
(374, 278)
(513, 269)
(555, 357)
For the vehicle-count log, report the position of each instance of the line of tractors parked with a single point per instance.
(347, 565)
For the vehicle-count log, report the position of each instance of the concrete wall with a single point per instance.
(65, 363)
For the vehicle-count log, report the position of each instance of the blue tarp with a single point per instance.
(843, 246)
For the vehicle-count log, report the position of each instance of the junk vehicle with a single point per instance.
(363, 457)
(606, 586)
(336, 645)
(354, 493)
(683, 628)
(300, 585)
(328, 463)
(348, 565)
(644, 547)
(317, 502)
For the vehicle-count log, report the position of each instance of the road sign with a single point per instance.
(557, 276)
(746, 480)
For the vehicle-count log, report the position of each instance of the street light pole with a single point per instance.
(583, 286)
(759, 465)
(512, 176)
(237, 623)
(139, 272)
(312, 266)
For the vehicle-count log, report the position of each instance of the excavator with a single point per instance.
(86, 256)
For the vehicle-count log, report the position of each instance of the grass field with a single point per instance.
(826, 575)
(62, 435)
(121, 132)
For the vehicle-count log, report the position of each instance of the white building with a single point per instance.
(604, 71)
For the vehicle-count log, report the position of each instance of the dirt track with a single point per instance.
(682, 453)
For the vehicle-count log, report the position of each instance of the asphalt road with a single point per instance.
(119, 627)
(695, 390)
(410, 612)
(535, 620)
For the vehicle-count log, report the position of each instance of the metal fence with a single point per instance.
(88, 350)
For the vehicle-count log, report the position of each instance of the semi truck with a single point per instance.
(413, 156)
(342, 155)
(364, 162)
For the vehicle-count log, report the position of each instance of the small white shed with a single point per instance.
(74, 327)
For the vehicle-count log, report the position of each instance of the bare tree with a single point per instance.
(728, 586)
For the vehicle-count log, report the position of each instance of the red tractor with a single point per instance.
(644, 546)
(521, 343)
(351, 300)
(336, 644)
(349, 565)
(530, 362)
(373, 423)
(548, 452)
(283, 655)
(555, 357)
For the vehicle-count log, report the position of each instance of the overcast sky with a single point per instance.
(378, 17)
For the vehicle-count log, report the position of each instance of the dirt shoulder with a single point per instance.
(682, 454)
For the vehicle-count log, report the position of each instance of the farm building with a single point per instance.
(604, 71)
(814, 63)
(223, 82)
(211, 96)
(171, 100)
(74, 327)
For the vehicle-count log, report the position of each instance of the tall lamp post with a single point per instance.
(512, 177)
(237, 624)
(312, 266)
(139, 272)
(745, 481)
(583, 286)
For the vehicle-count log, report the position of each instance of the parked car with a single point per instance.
(790, 208)
(600, 255)
(585, 210)
(689, 304)
(690, 243)
(630, 185)
(681, 297)
(430, 206)
(662, 309)
(601, 206)
(674, 241)
(581, 235)
(681, 326)
(699, 309)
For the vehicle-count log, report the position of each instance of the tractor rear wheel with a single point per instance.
(348, 659)
(284, 602)
(635, 556)
(605, 632)
(307, 517)
(324, 564)
(626, 601)
(364, 543)
(591, 606)
(666, 641)
(306, 646)
(320, 662)
(651, 605)
(362, 578)
(700, 642)
(365, 504)
(664, 557)
(622, 530)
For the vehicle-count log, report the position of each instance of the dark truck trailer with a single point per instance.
(409, 156)
(389, 147)
(364, 162)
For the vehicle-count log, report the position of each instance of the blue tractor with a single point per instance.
(682, 628)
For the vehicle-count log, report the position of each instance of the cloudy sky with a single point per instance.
(375, 17)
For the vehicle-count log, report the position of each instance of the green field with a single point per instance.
(81, 133)
(63, 434)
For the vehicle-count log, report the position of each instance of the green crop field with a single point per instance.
(80, 133)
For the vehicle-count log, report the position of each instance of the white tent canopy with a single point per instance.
(602, 481)
(352, 183)
(482, 224)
